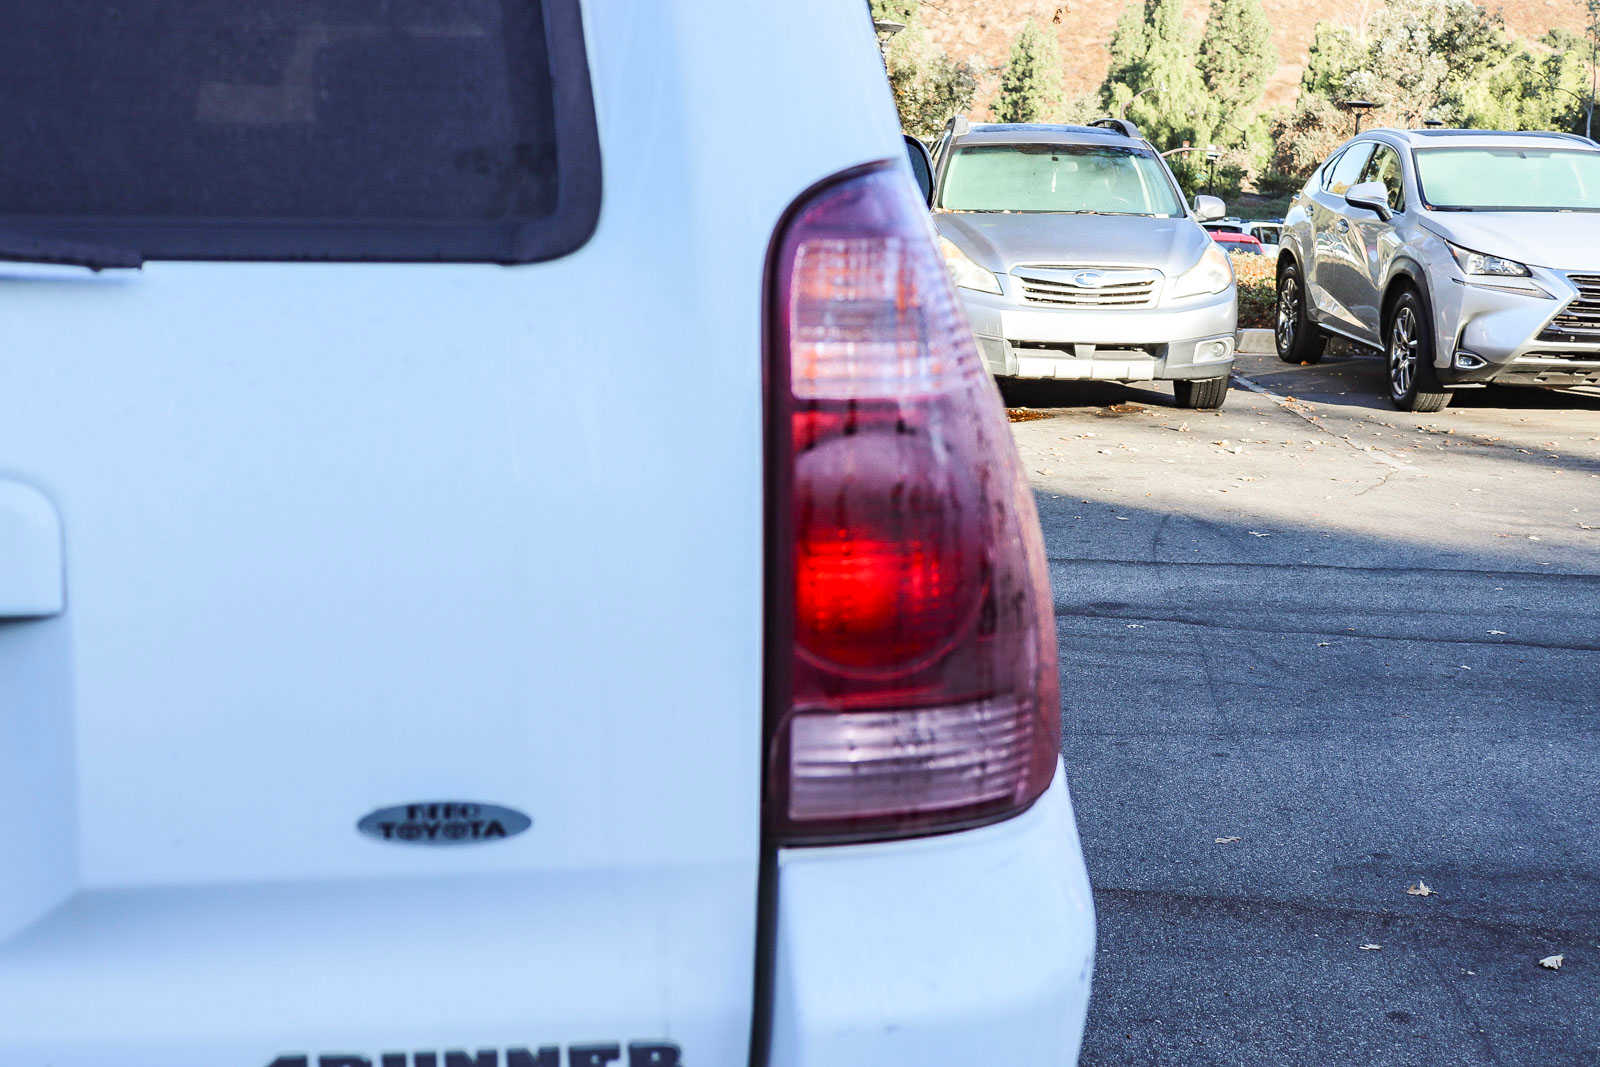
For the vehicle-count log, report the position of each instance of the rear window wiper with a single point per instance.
(22, 248)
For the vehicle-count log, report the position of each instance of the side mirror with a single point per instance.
(921, 167)
(1209, 209)
(1373, 196)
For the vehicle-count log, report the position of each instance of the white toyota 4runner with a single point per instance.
(502, 563)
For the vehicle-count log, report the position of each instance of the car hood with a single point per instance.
(1565, 240)
(999, 242)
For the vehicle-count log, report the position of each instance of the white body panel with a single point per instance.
(970, 948)
(338, 537)
(346, 536)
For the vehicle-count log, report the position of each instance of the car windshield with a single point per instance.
(1059, 178)
(1509, 179)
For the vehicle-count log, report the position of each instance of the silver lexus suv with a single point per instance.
(1076, 257)
(1466, 257)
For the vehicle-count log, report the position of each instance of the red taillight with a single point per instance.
(911, 662)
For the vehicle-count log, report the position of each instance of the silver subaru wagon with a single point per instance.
(1076, 257)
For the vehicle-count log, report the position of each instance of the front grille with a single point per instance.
(1579, 320)
(1088, 287)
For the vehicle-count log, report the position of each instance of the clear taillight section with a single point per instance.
(912, 655)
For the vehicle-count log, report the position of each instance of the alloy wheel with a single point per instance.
(1288, 312)
(1403, 346)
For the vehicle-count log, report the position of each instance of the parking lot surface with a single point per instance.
(1331, 685)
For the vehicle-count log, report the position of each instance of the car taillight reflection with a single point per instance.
(912, 667)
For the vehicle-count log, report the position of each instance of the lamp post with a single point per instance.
(1212, 155)
(1360, 107)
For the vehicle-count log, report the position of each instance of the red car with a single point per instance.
(1238, 242)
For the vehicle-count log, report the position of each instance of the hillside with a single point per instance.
(981, 31)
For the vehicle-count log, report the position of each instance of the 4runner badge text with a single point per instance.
(444, 822)
(639, 1054)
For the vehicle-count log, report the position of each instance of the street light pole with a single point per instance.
(1360, 107)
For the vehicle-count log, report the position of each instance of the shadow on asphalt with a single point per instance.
(1351, 721)
(1366, 387)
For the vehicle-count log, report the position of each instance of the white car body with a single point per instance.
(284, 543)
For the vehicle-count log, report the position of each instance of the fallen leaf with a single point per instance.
(1553, 963)
(1120, 518)
(1420, 889)
(1228, 840)
(1136, 626)
(1370, 948)
(1497, 633)
(1258, 533)
(1324, 644)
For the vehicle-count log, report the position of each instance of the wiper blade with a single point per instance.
(20, 248)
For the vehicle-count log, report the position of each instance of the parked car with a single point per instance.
(1266, 234)
(1270, 234)
(1466, 257)
(1240, 243)
(1076, 257)
(408, 659)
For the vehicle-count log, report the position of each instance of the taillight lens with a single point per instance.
(912, 654)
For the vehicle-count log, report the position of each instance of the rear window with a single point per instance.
(299, 129)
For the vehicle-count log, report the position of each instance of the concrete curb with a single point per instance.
(1256, 343)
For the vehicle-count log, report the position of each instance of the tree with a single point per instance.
(1334, 55)
(1237, 55)
(1155, 77)
(1030, 83)
(1302, 139)
(929, 87)
(1592, 38)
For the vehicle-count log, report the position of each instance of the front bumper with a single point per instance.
(973, 947)
(1494, 336)
(1194, 339)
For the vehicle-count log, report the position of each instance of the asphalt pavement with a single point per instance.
(1331, 695)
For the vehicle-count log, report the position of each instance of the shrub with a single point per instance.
(1258, 291)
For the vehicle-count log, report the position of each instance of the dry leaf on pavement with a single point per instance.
(1370, 948)
(1553, 963)
(1228, 840)
(1420, 889)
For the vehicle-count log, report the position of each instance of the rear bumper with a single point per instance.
(974, 947)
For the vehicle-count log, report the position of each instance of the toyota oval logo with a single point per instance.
(1088, 279)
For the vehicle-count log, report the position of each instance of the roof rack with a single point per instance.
(1122, 126)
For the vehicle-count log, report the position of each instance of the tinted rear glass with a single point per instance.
(323, 129)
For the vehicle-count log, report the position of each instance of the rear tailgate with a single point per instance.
(340, 538)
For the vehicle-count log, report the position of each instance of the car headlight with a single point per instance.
(964, 272)
(1476, 264)
(1213, 274)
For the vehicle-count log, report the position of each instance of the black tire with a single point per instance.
(1202, 394)
(1408, 355)
(1298, 338)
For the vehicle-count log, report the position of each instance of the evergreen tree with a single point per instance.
(1237, 55)
(1155, 77)
(1334, 55)
(1030, 84)
(929, 87)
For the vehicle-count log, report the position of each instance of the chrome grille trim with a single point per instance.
(1113, 288)
(1580, 319)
